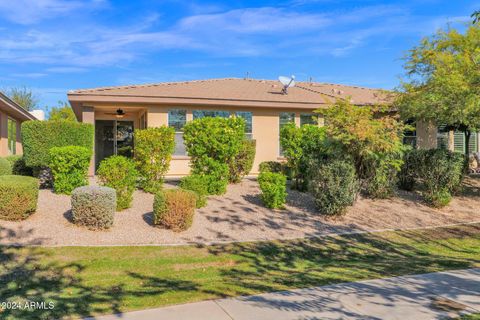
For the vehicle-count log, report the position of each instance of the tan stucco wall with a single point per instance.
(426, 135)
(4, 135)
(265, 128)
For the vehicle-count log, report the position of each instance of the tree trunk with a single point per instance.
(468, 133)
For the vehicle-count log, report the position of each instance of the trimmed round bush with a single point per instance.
(271, 166)
(274, 189)
(119, 173)
(5, 167)
(197, 184)
(19, 167)
(69, 167)
(18, 197)
(174, 209)
(334, 186)
(242, 163)
(94, 206)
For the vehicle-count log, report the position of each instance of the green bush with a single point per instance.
(19, 166)
(274, 189)
(409, 171)
(153, 151)
(174, 209)
(19, 196)
(213, 143)
(69, 167)
(5, 167)
(271, 166)
(439, 173)
(198, 184)
(39, 137)
(334, 186)
(242, 163)
(382, 176)
(119, 173)
(94, 206)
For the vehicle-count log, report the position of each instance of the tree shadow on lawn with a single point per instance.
(27, 274)
(273, 266)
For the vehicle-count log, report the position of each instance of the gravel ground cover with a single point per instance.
(237, 216)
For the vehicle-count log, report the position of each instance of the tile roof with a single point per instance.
(236, 89)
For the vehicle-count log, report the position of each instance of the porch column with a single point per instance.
(3, 134)
(88, 116)
(451, 140)
(426, 135)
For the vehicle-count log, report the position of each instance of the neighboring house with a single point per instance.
(117, 111)
(11, 118)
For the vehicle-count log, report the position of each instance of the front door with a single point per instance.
(113, 137)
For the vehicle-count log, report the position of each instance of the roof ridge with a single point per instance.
(350, 86)
(153, 84)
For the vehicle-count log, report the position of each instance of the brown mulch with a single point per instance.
(238, 216)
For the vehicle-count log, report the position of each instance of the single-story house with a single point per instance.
(117, 111)
(11, 118)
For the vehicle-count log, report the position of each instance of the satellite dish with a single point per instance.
(287, 83)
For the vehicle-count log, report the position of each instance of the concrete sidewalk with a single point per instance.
(427, 296)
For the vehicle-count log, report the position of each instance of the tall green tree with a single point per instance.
(62, 112)
(443, 81)
(24, 97)
(476, 16)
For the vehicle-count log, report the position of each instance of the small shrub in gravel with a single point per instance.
(5, 167)
(119, 173)
(18, 197)
(334, 186)
(271, 166)
(274, 189)
(69, 167)
(242, 163)
(197, 184)
(94, 207)
(19, 167)
(174, 209)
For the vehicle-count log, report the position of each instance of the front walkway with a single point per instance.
(426, 296)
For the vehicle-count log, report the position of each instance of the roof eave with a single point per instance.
(15, 109)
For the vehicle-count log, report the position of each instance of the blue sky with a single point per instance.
(53, 46)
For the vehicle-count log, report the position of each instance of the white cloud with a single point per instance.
(266, 31)
(29, 12)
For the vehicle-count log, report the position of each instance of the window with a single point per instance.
(177, 119)
(248, 123)
(410, 136)
(308, 118)
(285, 118)
(459, 142)
(210, 113)
(12, 136)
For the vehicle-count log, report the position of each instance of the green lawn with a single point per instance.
(88, 281)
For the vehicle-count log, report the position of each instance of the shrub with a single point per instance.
(212, 143)
(174, 209)
(242, 163)
(40, 136)
(19, 167)
(409, 170)
(334, 186)
(382, 175)
(94, 206)
(153, 151)
(19, 196)
(5, 167)
(69, 167)
(119, 173)
(441, 173)
(274, 189)
(198, 184)
(271, 166)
